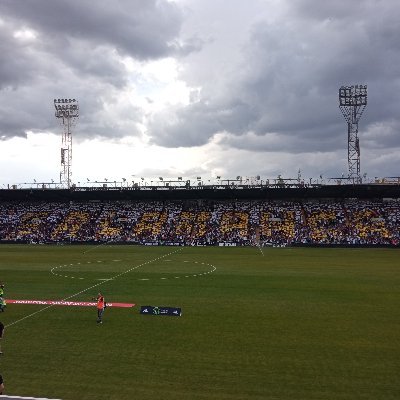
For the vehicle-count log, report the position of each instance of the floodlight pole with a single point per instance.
(67, 111)
(352, 103)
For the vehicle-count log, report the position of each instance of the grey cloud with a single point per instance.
(31, 108)
(339, 9)
(381, 135)
(23, 111)
(275, 142)
(26, 62)
(101, 115)
(141, 29)
(289, 80)
(76, 52)
(190, 45)
(277, 90)
(16, 67)
(196, 123)
(350, 12)
(100, 63)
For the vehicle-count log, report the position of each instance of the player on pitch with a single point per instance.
(101, 305)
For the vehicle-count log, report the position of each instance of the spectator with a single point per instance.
(198, 222)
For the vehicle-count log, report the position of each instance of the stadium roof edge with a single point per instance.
(364, 191)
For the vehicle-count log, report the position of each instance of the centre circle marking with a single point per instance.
(53, 271)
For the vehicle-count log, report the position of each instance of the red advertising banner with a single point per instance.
(67, 303)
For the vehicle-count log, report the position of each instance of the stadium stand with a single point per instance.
(211, 222)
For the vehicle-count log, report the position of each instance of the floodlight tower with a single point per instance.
(67, 111)
(352, 102)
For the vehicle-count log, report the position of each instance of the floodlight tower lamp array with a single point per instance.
(67, 112)
(352, 103)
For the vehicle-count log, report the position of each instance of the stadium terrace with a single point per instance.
(328, 215)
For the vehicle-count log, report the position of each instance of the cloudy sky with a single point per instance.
(197, 87)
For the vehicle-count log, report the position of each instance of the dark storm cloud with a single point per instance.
(287, 86)
(265, 73)
(194, 124)
(142, 29)
(53, 49)
(16, 67)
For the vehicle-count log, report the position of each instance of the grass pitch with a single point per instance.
(292, 324)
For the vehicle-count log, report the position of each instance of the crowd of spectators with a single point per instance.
(203, 222)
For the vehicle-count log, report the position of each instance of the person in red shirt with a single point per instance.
(101, 305)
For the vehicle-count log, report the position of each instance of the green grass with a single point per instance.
(293, 324)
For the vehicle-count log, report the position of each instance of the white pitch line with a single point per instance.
(142, 279)
(87, 289)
